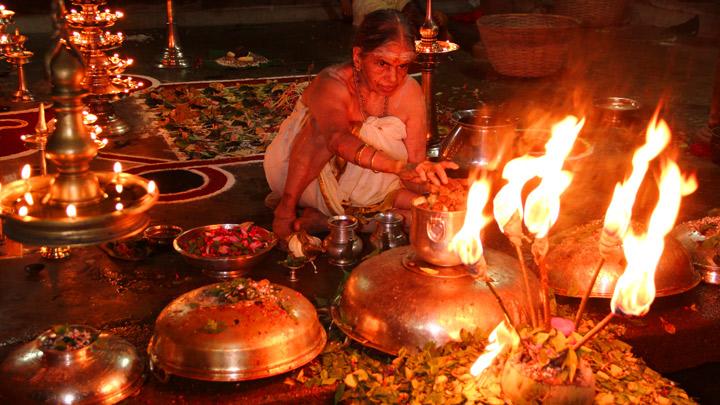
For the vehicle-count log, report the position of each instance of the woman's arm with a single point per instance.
(411, 105)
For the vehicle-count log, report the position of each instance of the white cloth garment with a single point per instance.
(358, 186)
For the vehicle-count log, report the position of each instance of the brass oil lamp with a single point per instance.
(172, 57)
(429, 49)
(75, 206)
(90, 35)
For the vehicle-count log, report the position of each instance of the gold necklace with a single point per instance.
(361, 99)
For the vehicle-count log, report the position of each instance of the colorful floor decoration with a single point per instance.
(207, 120)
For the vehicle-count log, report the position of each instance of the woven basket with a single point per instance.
(593, 13)
(527, 45)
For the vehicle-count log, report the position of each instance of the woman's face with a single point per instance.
(384, 68)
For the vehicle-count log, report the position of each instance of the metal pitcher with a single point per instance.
(343, 246)
(389, 232)
(479, 140)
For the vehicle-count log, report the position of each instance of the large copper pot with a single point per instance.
(574, 255)
(249, 339)
(395, 300)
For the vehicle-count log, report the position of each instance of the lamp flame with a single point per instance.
(466, 243)
(502, 336)
(117, 168)
(25, 172)
(119, 206)
(617, 216)
(543, 204)
(23, 211)
(151, 187)
(71, 211)
(508, 201)
(635, 289)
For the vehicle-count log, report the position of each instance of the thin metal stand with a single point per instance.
(172, 57)
(429, 49)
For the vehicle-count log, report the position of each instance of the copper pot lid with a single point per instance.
(395, 300)
(72, 364)
(234, 331)
(574, 255)
(701, 238)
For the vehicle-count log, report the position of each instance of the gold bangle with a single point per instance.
(372, 161)
(359, 153)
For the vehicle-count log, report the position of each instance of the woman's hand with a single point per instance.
(283, 225)
(423, 172)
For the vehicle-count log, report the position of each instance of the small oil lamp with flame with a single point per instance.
(13, 50)
(73, 207)
(90, 35)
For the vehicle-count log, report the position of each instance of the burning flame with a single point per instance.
(508, 201)
(25, 172)
(466, 243)
(71, 211)
(635, 289)
(543, 204)
(617, 217)
(502, 336)
(151, 187)
(119, 206)
(117, 168)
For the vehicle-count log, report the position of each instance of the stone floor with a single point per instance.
(649, 64)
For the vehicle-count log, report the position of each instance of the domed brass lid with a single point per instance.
(394, 300)
(72, 364)
(234, 331)
(574, 255)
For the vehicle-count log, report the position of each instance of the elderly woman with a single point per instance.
(356, 138)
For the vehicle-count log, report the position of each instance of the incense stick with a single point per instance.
(594, 331)
(500, 301)
(585, 297)
(533, 314)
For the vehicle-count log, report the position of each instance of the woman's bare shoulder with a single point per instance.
(333, 80)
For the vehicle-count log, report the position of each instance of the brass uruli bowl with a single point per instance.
(105, 370)
(222, 267)
(203, 336)
(574, 255)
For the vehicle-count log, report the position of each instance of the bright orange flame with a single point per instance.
(635, 289)
(117, 168)
(508, 201)
(617, 217)
(543, 204)
(502, 336)
(466, 243)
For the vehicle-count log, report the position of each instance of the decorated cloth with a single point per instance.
(361, 8)
(333, 192)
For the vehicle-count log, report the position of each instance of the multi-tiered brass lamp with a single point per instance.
(90, 35)
(12, 49)
(75, 206)
(429, 49)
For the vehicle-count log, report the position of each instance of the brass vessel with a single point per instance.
(198, 337)
(574, 255)
(396, 300)
(106, 371)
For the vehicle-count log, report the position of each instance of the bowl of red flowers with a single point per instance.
(225, 250)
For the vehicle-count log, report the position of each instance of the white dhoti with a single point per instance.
(357, 186)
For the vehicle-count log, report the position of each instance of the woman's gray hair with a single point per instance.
(382, 26)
